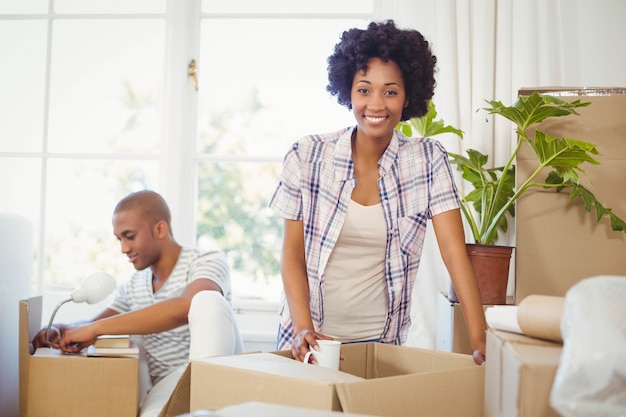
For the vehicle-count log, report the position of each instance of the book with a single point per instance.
(111, 346)
(113, 341)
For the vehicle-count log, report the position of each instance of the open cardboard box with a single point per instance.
(374, 379)
(520, 371)
(55, 384)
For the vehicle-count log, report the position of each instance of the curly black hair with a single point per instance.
(407, 48)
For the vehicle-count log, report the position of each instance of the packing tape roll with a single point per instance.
(540, 316)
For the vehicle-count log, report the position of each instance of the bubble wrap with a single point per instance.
(591, 376)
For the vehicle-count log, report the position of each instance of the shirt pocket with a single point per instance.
(411, 231)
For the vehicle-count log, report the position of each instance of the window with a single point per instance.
(96, 102)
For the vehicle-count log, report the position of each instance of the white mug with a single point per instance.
(327, 356)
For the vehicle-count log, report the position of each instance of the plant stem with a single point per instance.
(527, 184)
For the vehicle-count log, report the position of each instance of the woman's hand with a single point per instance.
(479, 357)
(304, 339)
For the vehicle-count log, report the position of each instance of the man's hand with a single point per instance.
(56, 332)
(76, 339)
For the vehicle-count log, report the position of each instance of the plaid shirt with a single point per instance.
(316, 184)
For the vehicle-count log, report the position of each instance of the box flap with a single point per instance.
(279, 365)
(30, 321)
(445, 393)
(356, 357)
(399, 360)
(178, 403)
(380, 360)
(217, 385)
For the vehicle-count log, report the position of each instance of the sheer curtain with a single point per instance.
(489, 49)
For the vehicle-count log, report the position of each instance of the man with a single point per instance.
(179, 300)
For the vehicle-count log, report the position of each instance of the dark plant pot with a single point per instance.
(491, 267)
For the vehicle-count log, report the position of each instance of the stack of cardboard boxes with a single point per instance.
(558, 244)
(519, 371)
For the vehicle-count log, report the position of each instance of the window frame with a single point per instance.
(178, 156)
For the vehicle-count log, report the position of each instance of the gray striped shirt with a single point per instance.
(169, 350)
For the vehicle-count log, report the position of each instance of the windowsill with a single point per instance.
(258, 322)
(243, 305)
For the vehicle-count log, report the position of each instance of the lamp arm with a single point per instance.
(52, 318)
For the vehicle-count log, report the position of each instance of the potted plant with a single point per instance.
(490, 204)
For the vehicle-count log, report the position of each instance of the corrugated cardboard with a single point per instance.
(374, 379)
(519, 375)
(54, 384)
(263, 377)
(558, 242)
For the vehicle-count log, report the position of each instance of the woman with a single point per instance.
(356, 203)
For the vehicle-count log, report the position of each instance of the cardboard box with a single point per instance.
(452, 334)
(374, 379)
(55, 384)
(519, 374)
(558, 242)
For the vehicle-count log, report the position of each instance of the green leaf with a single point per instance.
(426, 126)
(617, 224)
(492, 190)
(590, 202)
(564, 155)
(405, 128)
(529, 110)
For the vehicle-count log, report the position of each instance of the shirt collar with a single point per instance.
(344, 167)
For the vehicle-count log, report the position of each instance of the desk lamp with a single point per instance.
(94, 288)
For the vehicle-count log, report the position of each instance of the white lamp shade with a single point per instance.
(94, 288)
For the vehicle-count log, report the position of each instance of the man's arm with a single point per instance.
(57, 330)
(157, 318)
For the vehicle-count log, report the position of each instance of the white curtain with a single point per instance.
(488, 49)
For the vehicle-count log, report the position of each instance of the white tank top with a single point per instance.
(355, 291)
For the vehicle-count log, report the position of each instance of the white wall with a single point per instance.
(594, 54)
